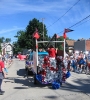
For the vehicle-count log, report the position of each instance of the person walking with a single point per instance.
(2, 74)
(19, 56)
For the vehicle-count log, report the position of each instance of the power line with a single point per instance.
(63, 14)
(83, 22)
(78, 22)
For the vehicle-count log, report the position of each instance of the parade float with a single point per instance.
(47, 71)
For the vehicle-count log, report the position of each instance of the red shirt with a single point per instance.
(52, 52)
(19, 56)
(1, 65)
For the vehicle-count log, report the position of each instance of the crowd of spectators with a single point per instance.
(78, 62)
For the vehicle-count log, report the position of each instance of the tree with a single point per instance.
(31, 29)
(7, 40)
(21, 42)
(60, 45)
(16, 48)
(25, 38)
(2, 39)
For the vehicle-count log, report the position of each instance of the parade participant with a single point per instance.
(2, 74)
(52, 52)
(52, 55)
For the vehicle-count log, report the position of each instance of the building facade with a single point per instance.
(6, 48)
(82, 45)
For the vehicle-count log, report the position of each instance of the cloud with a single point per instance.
(53, 8)
(17, 6)
(15, 28)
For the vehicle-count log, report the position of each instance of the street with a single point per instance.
(18, 87)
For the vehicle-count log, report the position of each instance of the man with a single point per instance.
(52, 55)
(52, 52)
(2, 74)
(88, 63)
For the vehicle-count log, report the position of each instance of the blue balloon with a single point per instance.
(68, 74)
(39, 77)
(55, 85)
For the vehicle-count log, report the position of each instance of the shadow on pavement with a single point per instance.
(83, 84)
(27, 81)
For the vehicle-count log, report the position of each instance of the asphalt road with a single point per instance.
(18, 87)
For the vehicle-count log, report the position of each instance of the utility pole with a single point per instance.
(43, 27)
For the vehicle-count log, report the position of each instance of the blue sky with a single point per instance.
(16, 14)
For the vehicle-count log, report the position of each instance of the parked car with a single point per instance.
(21, 57)
(29, 64)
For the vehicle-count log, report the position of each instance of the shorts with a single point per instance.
(1, 75)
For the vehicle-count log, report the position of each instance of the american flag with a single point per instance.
(68, 30)
(65, 31)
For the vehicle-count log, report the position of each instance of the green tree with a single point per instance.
(25, 38)
(59, 45)
(21, 42)
(2, 39)
(7, 40)
(31, 29)
(16, 48)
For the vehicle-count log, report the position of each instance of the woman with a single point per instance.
(2, 74)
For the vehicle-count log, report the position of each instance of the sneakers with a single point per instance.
(2, 92)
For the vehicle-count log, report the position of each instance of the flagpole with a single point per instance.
(64, 48)
(37, 51)
(64, 34)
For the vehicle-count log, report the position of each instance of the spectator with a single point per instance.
(74, 64)
(2, 74)
(19, 56)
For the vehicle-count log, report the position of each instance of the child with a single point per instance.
(74, 64)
